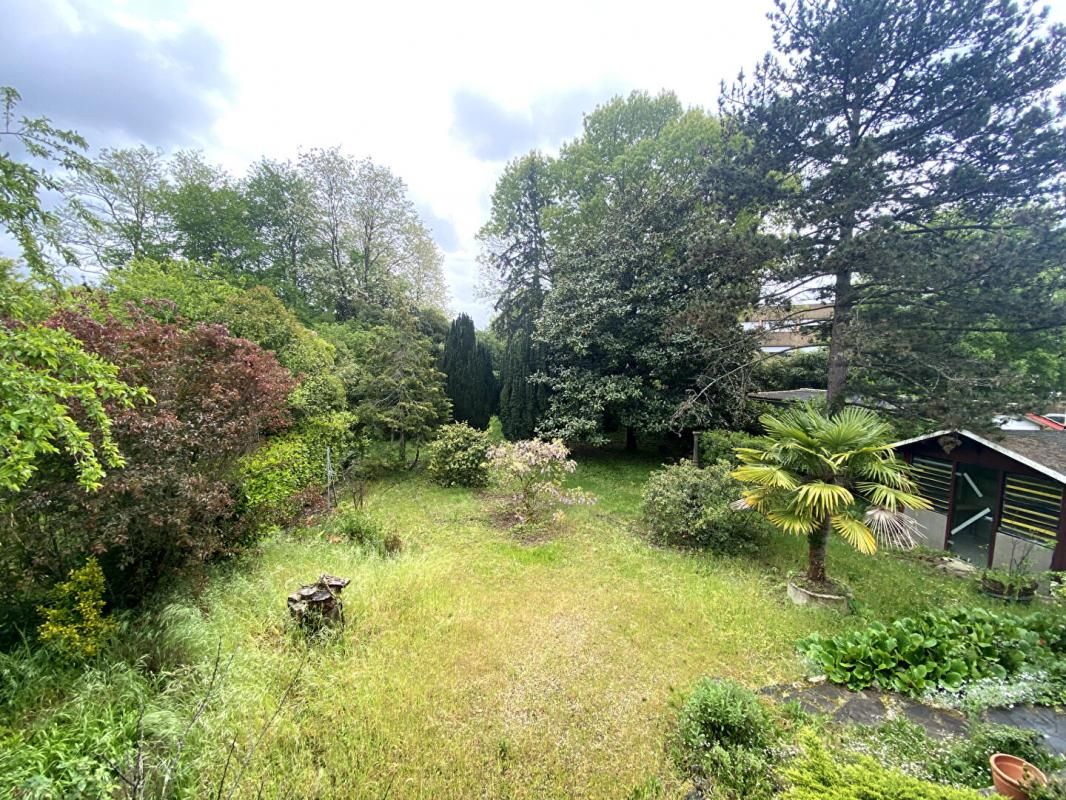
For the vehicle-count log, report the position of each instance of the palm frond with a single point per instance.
(766, 475)
(893, 529)
(891, 498)
(854, 532)
(791, 522)
(821, 498)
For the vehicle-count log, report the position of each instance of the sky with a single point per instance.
(443, 93)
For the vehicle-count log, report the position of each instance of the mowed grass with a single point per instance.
(475, 664)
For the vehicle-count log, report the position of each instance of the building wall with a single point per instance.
(1010, 550)
(934, 524)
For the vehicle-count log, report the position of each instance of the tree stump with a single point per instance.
(318, 604)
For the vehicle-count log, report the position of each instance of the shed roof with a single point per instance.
(1044, 451)
(791, 395)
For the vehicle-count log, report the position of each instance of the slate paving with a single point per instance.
(870, 707)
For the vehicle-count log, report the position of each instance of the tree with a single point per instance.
(210, 215)
(392, 381)
(282, 213)
(517, 266)
(916, 157)
(640, 306)
(114, 209)
(46, 376)
(813, 475)
(375, 250)
(22, 215)
(470, 382)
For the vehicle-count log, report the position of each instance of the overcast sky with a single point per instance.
(444, 93)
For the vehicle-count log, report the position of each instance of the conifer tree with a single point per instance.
(470, 382)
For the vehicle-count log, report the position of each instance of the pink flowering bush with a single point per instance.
(531, 473)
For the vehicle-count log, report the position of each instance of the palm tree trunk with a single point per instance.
(816, 543)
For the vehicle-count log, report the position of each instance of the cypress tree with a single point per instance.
(470, 384)
(521, 403)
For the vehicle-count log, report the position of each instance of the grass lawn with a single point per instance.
(477, 665)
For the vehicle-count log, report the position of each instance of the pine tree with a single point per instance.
(470, 383)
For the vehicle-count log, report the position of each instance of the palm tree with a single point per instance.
(813, 474)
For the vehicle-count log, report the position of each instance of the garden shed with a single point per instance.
(996, 503)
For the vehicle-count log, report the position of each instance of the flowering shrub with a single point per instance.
(531, 472)
(457, 456)
(74, 620)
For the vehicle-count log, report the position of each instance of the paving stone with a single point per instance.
(938, 722)
(1048, 722)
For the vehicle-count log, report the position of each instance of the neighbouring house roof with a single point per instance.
(1043, 451)
(1044, 422)
(790, 395)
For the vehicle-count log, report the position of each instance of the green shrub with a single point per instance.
(818, 775)
(73, 621)
(937, 649)
(720, 713)
(720, 445)
(362, 528)
(739, 773)
(459, 456)
(274, 477)
(686, 506)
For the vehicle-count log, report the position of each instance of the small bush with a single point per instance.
(818, 775)
(720, 713)
(720, 445)
(739, 773)
(362, 528)
(686, 506)
(531, 473)
(74, 620)
(459, 456)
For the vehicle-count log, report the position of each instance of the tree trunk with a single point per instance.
(816, 542)
(838, 342)
(696, 448)
(631, 438)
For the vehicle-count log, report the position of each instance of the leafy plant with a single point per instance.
(458, 456)
(936, 649)
(723, 714)
(816, 774)
(531, 474)
(73, 621)
(814, 474)
(216, 397)
(688, 506)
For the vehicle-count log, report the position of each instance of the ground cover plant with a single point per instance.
(939, 650)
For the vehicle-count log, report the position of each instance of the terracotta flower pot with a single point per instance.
(1012, 776)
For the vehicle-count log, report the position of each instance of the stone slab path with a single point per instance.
(870, 707)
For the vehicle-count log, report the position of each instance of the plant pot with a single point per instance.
(803, 595)
(1015, 594)
(1012, 776)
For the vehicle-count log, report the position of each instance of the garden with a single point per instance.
(594, 646)
(277, 522)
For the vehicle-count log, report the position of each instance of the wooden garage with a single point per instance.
(997, 503)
